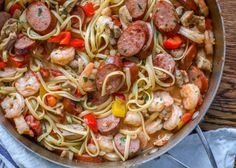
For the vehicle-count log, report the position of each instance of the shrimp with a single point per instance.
(153, 127)
(162, 138)
(105, 144)
(7, 72)
(62, 55)
(21, 126)
(13, 105)
(203, 7)
(27, 85)
(161, 99)
(174, 118)
(85, 83)
(143, 139)
(190, 94)
(133, 118)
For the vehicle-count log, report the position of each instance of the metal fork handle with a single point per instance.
(206, 146)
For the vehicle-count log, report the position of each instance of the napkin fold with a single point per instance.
(190, 151)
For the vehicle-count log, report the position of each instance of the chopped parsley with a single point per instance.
(40, 11)
(123, 139)
(64, 11)
(106, 60)
(85, 79)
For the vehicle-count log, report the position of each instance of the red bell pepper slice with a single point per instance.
(14, 7)
(120, 96)
(173, 42)
(91, 121)
(77, 93)
(44, 72)
(63, 38)
(89, 9)
(2, 64)
(78, 43)
(56, 73)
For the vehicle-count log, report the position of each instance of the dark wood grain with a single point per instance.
(223, 110)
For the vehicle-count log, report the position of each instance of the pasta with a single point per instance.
(101, 80)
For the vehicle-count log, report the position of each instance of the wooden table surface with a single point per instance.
(223, 110)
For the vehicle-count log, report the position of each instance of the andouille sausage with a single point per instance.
(132, 41)
(40, 18)
(120, 141)
(24, 45)
(189, 4)
(113, 83)
(78, 11)
(165, 18)
(96, 98)
(148, 47)
(164, 61)
(137, 8)
(4, 16)
(116, 60)
(108, 125)
(2, 4)
(197, 77)
(133, 68)
(188, 59)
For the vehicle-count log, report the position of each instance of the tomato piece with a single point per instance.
(51, 100)
(89, 9)
(186, 117)
(44, 72)
(14, 8)
(77, 93)
(34, 124)
(87, 158)
(116, 21)
(91, 121)
(56, 73)
(2, 64)
(19, 61)
(197, 77)
(78, 43)
(173, 42)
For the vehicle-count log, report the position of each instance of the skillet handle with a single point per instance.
(206, 146)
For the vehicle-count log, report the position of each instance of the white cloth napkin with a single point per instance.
(190, 151)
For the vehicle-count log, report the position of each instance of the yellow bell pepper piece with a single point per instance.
(42, 91)
(119, 107)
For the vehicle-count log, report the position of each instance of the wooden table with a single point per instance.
(223, 110)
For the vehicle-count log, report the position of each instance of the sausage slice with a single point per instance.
(132, 41)
(4, 16)
(148, 47)
(78, 11)
(40, 18)
(133, 70)
(113, 82)
(197, 77)
(189, 4)
(108, 125)
(164, 61)
(120, 141)
(187, 61)
(23, 45)
(165, 18)
(137, 8)
(96, 98)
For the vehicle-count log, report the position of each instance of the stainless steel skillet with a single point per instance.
(215, 79)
